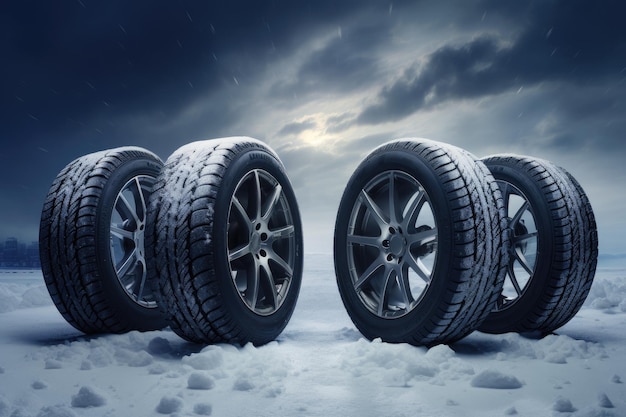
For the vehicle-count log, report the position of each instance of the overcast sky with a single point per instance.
(322, 82)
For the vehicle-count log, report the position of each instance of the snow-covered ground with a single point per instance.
(319, 366)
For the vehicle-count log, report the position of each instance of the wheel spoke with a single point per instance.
(283, 232)
(521, 258)
(273, 201)
(364, 240)
(392, 198)
(365, 276)
(416, 203)
(384, 290)
(140, 198)
(273, 256)
(513, 278)
(258, 192)
(122, 233)
(242, 212)
(418, 267)
(142, 282)
(126, 209)
(252, 287)
(423, 237)
(520, 212)
(271, 286)
(239, 252)
(526, 236)
(404, 285)
(127, 264)
(379, 217)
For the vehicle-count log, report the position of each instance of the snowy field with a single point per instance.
(319, 366)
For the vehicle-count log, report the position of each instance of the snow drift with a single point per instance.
(319, 366)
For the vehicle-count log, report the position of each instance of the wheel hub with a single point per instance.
(397, 245)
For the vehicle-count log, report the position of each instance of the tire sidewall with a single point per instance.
(112, 289)
(401, 328)
(258, 329)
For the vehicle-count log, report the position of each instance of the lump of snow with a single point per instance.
(556, 357)
(495, 380)
(53, 364)
(394, 364)
(169, 405)
(563, 405)
(88, 397)
(203, 409)
(1, 370)
(86, 365)
(159, 346)
(395, 378)
(39, 384)
(35, 297)
(55, 411)
(274, 392)
(100, 357)
(209, 358)
(510, 411)
(134, 359)
(607, 294)
(157, 369)
(8, 299)
(616, 379)
(421, 369)
(140, 359)
(243, 384)
(198, 380)
(440, 353)
(604, 401)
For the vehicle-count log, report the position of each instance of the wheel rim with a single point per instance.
(261, 242)
(392, 244)
(524, 244)
(127, 230)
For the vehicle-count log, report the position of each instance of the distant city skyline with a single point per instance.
(17, 254)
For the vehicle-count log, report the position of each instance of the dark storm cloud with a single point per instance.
(574, 42)
(71, 60)
(347, 62)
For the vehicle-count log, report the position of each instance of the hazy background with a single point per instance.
(322, 82)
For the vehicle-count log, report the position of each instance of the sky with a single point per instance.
(322, 82)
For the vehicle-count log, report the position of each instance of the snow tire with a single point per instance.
(420, 243)
(227, 242)
(554, 246)
(91, 241)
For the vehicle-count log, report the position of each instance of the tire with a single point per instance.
(419, 248)
(91, 241)
(554, 246)
(227, 242)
